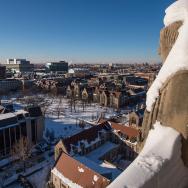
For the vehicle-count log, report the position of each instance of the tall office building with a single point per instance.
(19, 65)
(2, 72)
(58, 67)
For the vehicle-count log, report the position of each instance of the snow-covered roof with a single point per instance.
(20, 112)
(7, 116)
(12, 114)
(101, 151)
(93, 165)
(71, 71)
(129, 131)
(76, 174)
(87, 137)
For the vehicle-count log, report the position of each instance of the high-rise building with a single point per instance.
(19, 65)
(57, 67)
(2, 72)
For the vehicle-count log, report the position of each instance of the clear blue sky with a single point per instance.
(81, 30)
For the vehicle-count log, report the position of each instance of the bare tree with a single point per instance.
(45, 105)
(71, 102)
(59, 107)
(21, 150)
(45, 108)
(74, 102)
(83, 104)
(34, 100)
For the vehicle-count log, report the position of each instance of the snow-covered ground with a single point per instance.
(64, 122)
(90, 112)
(38, 178)
(62, 127)
(41, 175)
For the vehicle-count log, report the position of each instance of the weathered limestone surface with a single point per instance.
(171, 107)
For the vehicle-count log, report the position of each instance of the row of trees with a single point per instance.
(75, 102)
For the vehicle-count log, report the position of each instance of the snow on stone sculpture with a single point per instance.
(178, 57)
(167, 99)
(157, 164)
(160, 164)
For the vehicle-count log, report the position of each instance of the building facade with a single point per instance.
(27, 123)
(7, 85)
(19, 65)
(58, 67)
(2, 72)
(107, 143)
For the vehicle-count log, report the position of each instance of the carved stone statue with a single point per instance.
(171, 106)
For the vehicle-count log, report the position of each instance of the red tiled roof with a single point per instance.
(129, 131)
(78, 173)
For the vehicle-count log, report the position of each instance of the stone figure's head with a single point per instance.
(168, 36)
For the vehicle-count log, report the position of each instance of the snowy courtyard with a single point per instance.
(63, 119)
(64, 122)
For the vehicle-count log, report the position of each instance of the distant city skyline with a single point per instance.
(88, 31)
